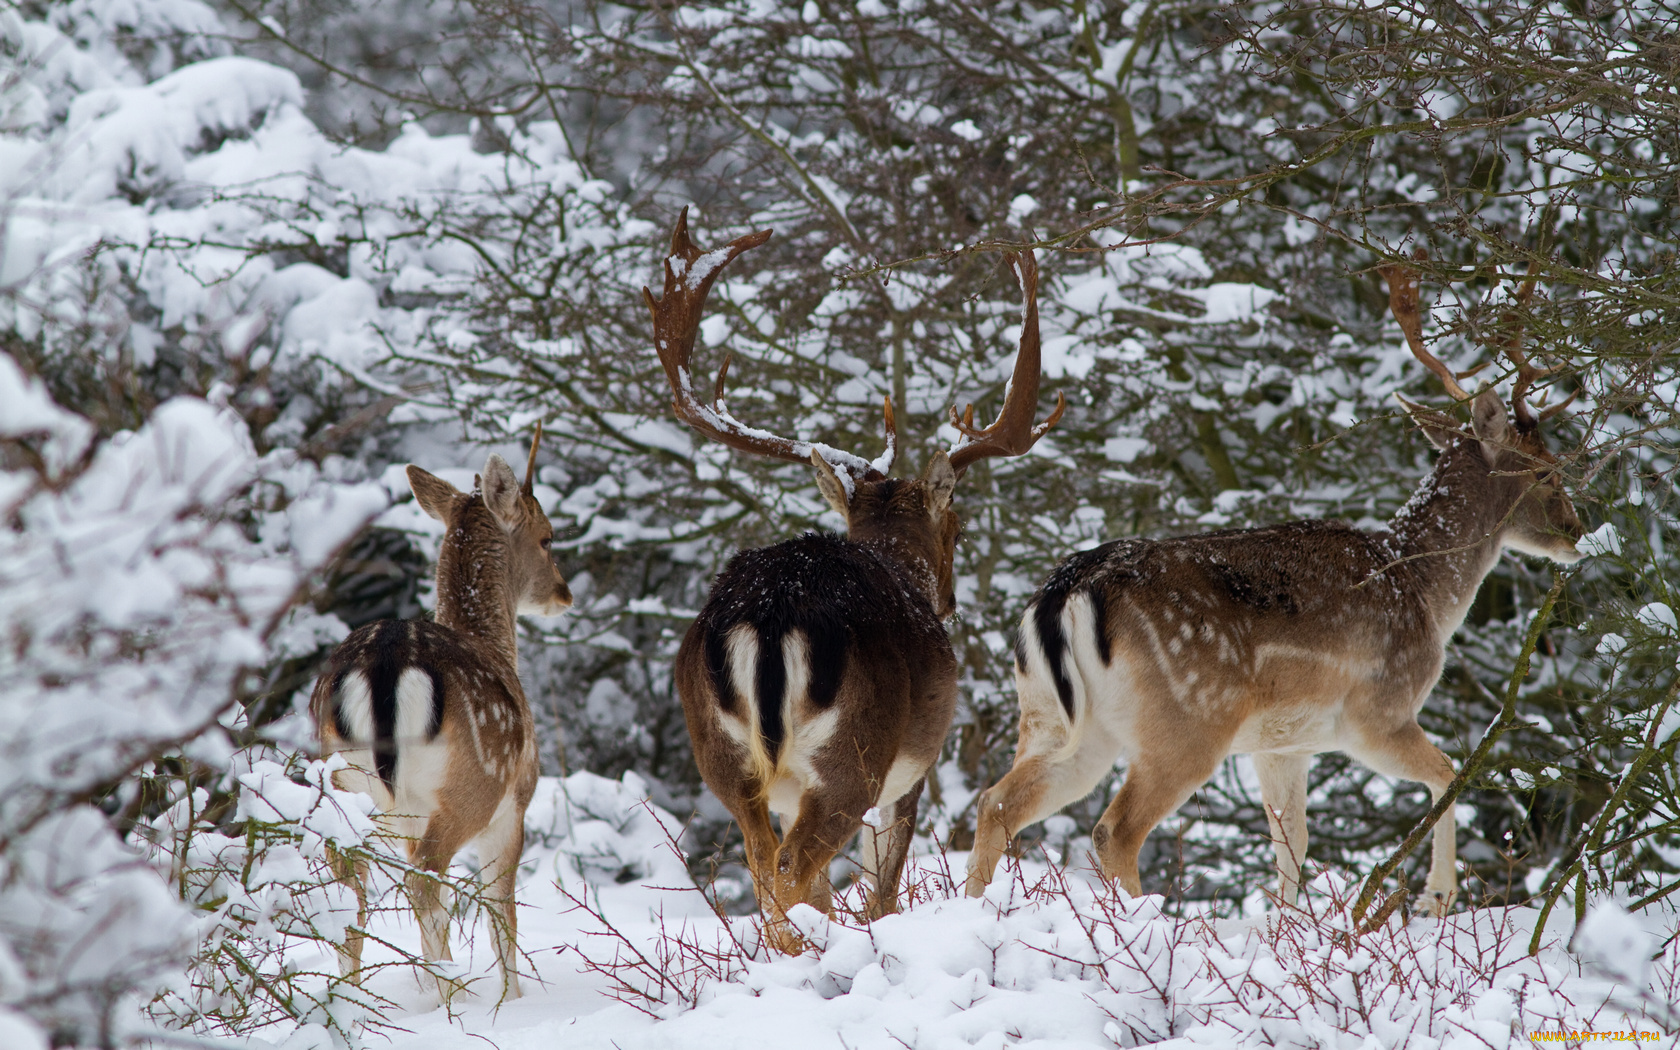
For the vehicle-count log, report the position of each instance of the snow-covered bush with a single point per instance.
(263, 885)
(143, 574)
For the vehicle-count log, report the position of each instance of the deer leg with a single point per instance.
(500, 847)
(431, 855)
(885, 849)
(824, 825)
(425, 892)
(1407, 754)
(1283, 791)
(1157, 783)
(352, 874)
(753, 817)
(1035, 787)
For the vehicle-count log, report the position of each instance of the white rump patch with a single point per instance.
(414, 707)
(355, 707)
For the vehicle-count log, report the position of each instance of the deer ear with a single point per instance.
(501, 491)
(1441, 430)
(830, 485)
(434, 494)
(941, 481)
(1488, 422)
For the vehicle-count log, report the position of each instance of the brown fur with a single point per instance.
(446, 773)
(869, 688)
(841, 638)
(1281, 642)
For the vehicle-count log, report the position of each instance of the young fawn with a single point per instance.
(430, 713)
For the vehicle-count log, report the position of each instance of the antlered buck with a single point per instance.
(1279, 642)
(817, 682)
(430, 713)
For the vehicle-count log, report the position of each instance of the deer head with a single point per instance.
(1541, 519)
(534, 583)
(913, 517)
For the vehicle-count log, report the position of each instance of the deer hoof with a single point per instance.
(782, 936)
(1435, 903)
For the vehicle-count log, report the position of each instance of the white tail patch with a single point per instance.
(1080, 627)
(355, 707)
(414, 707)
(742, 646)
(805, 730)
(1036, 686)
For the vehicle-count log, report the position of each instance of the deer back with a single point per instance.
(437, 705)
(1193, 620)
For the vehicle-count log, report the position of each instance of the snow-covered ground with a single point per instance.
(628, 955)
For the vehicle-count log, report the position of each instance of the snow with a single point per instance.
(629, 956)
(1657, 616)
(1125, 449)
(1614, 943)
(1227, 302)
(26, 410)
(1602, 540)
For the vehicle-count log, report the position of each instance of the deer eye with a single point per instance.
(547, 542)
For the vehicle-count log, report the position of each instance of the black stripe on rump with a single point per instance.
(1099, 621)
(435, 726)
(717, 667)
(1074, 574)
(1047, 621)
(828, 663)
(383, 670)
(771, 687)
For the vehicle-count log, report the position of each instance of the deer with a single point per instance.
(817, 680)
(430, 715)
(1280, 642)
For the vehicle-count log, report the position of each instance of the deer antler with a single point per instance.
(1013, 433)
(689, 274)
(1526, 372)
(531, 464)
(1403, 303)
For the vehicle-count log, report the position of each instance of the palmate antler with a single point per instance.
(1526, 373)
(1013, 433)
(1403, 303)
(689, 275)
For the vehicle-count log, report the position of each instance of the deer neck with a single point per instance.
(474, 594)
(1449, 532)
(910, 553)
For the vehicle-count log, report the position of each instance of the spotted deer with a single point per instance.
(1278, 642)
(430, 714)
(817, 681)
